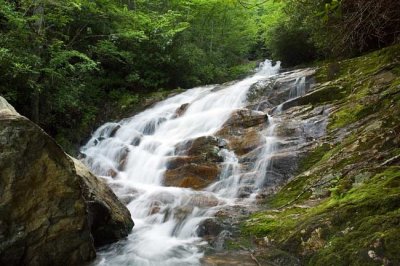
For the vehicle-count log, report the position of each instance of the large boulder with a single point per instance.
(43, 215)
(43, 218)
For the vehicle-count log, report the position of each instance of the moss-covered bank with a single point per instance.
(343, 207)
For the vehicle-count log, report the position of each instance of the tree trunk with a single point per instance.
(39, 26)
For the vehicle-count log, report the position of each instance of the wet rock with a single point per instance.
(209, 227)
(136, 141)
(43, 218)
(323, 94)
(245, 118)
(114, 131)
(203, 200)
(276, 90)
(109, 219)
(122, 158)
(181, 110)
(151, 126)
(242, 258)
(242, 130)
(197, 166)
(204, 149)
(282, 167)
(245, 191)
(177, 161)
(181, 213)
(111, 172)
(192, 176)
(155, 208)
(246, 142)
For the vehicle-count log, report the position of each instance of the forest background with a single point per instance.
(68, 65)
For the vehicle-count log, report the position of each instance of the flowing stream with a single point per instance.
(133, 154)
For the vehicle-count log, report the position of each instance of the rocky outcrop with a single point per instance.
(242, 130)
(197, 164)
(45, 200)
(273, 91)
(181, 110)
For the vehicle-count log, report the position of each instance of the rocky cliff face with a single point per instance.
(51, 207)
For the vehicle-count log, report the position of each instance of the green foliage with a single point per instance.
(301, 31)
(63, 62)
(291, 44)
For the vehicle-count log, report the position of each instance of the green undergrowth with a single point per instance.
(343, 207)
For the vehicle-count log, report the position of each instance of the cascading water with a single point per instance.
(263, 163)
(135, 152)
(299, 88)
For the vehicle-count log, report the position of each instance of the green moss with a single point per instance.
(277, 224)
(238, 244)
(365, 217)
(369, 216)
(344, 206)
(291, 191)
(315, 156)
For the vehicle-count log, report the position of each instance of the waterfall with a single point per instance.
(299, 88)
(132, 155)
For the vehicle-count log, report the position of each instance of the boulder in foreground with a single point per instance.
(46, 202)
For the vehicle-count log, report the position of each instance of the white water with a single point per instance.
(299, 88)
(166, 218)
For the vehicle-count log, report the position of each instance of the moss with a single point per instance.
(239, 244)
(356, 221)
(315, 156)
(365, 219)
(291, 191)
(348, 72)
(277, 224)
